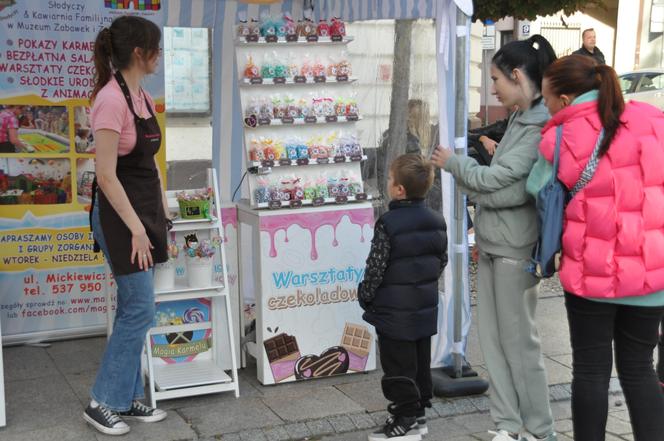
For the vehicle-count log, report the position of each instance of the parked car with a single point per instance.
(645, 85)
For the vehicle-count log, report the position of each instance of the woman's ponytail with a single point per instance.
(610, 104)
(102, 55)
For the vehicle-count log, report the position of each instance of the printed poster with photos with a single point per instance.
(52, 281)
(311, 324)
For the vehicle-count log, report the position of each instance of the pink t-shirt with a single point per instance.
(110, 111)
(7, 121)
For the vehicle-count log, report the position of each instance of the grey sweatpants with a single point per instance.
(507, 298)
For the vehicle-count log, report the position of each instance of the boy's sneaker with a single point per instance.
(145, 414)
(398, 428)
(104, 420)
(504, 435)
(422, 424)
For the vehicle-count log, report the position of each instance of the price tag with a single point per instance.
(341, 199)
(267, 163)
(319, 79)
(310, 120)
(295, 204)
(284, 162)
(292, 38)
(331, 118)
(352, 117)
(318, 202)
(339, 159)
(274, 205)
(279, 80)
(251, 38)
(299, 79)
(342, 78)
(271, 39)
(256, 80)
(264, 121)
(303, 161)
(287, 120)
(361, 197)
(312, 38)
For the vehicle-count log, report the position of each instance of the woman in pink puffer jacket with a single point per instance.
(612, 267)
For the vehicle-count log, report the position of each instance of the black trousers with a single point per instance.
(660, 363)
(594, 326)
(407, 375)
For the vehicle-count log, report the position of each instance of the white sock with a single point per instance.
(94, 404)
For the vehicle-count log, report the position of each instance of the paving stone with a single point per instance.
(557, 373)
(230, 417)
(320, 427)
(277, 433)
(73, 432)
(362, 420)
(473, 423)
(559, 392)
(230, 437)
(458, 406)
(565, 437)
(342, 423)
(618, 426)
(379, 417)
(253, 435)
(562, 426)
(367, 394)
(355, 436)
(27, 363)
(314, 404)
(76, 356)
(297, 430)
(482, 403)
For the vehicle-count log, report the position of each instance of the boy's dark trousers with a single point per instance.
(660, 363)
(406, 381)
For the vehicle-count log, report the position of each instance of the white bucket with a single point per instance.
(199, 271)
(164, 276)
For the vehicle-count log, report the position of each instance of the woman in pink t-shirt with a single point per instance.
(129, 215)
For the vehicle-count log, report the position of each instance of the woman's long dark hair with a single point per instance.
(532, 56)
(578, 74)
(115, 44)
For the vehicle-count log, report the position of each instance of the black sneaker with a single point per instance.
(105, 420)
(422, 424)
(398, 428)
(145, 414)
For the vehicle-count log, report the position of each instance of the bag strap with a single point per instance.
(556, 152)
(591, 166)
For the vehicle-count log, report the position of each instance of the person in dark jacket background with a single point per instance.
(399, 294)
(589, 48)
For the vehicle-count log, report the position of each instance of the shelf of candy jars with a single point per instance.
(284, 30)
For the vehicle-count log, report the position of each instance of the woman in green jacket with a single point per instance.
(506, 231)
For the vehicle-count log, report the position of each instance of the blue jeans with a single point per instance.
(119, 379)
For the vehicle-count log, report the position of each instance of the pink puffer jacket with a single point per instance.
(613, 231)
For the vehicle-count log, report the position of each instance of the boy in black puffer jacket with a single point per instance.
(399, 295)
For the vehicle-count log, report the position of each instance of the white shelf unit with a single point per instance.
(200, 375)
(300, 50)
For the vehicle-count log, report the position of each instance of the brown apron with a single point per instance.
(139, 178)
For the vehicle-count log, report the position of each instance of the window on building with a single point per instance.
(187, 60)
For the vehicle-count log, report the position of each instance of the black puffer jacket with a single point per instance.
(403, 302)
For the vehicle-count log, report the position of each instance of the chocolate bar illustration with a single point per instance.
(282, 352)
(356, 339)
(332, 361)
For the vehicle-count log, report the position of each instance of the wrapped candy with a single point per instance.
(267, 27)
(254, 148)
(172, 250)
(302, 151)
(268, 67)
(297, 193)
(293, 110)
(279, 24)
(343, 66)
(333, 186)
(328, 107)
(343, 186)
(340, 107)
(309, 190)
(242, 29)
(354, 186)
(286, 189)
(338, 27)
(250, 69)
(280, 108)
(292, 68)
(306, 107)
(308, 28)
(269, 150)
(291, 151)
(322, 188)
(289, 25)
(351, 106)
(273, 192)
(254, 27)
(318, 107)
(254, 107)
(261, 193)
(323, 29)
(279, 150)
(307, 68)
(332, 67)
(318, 69)
(266, 109)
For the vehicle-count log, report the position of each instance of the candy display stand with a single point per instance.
(211, 366)
(302, 268)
